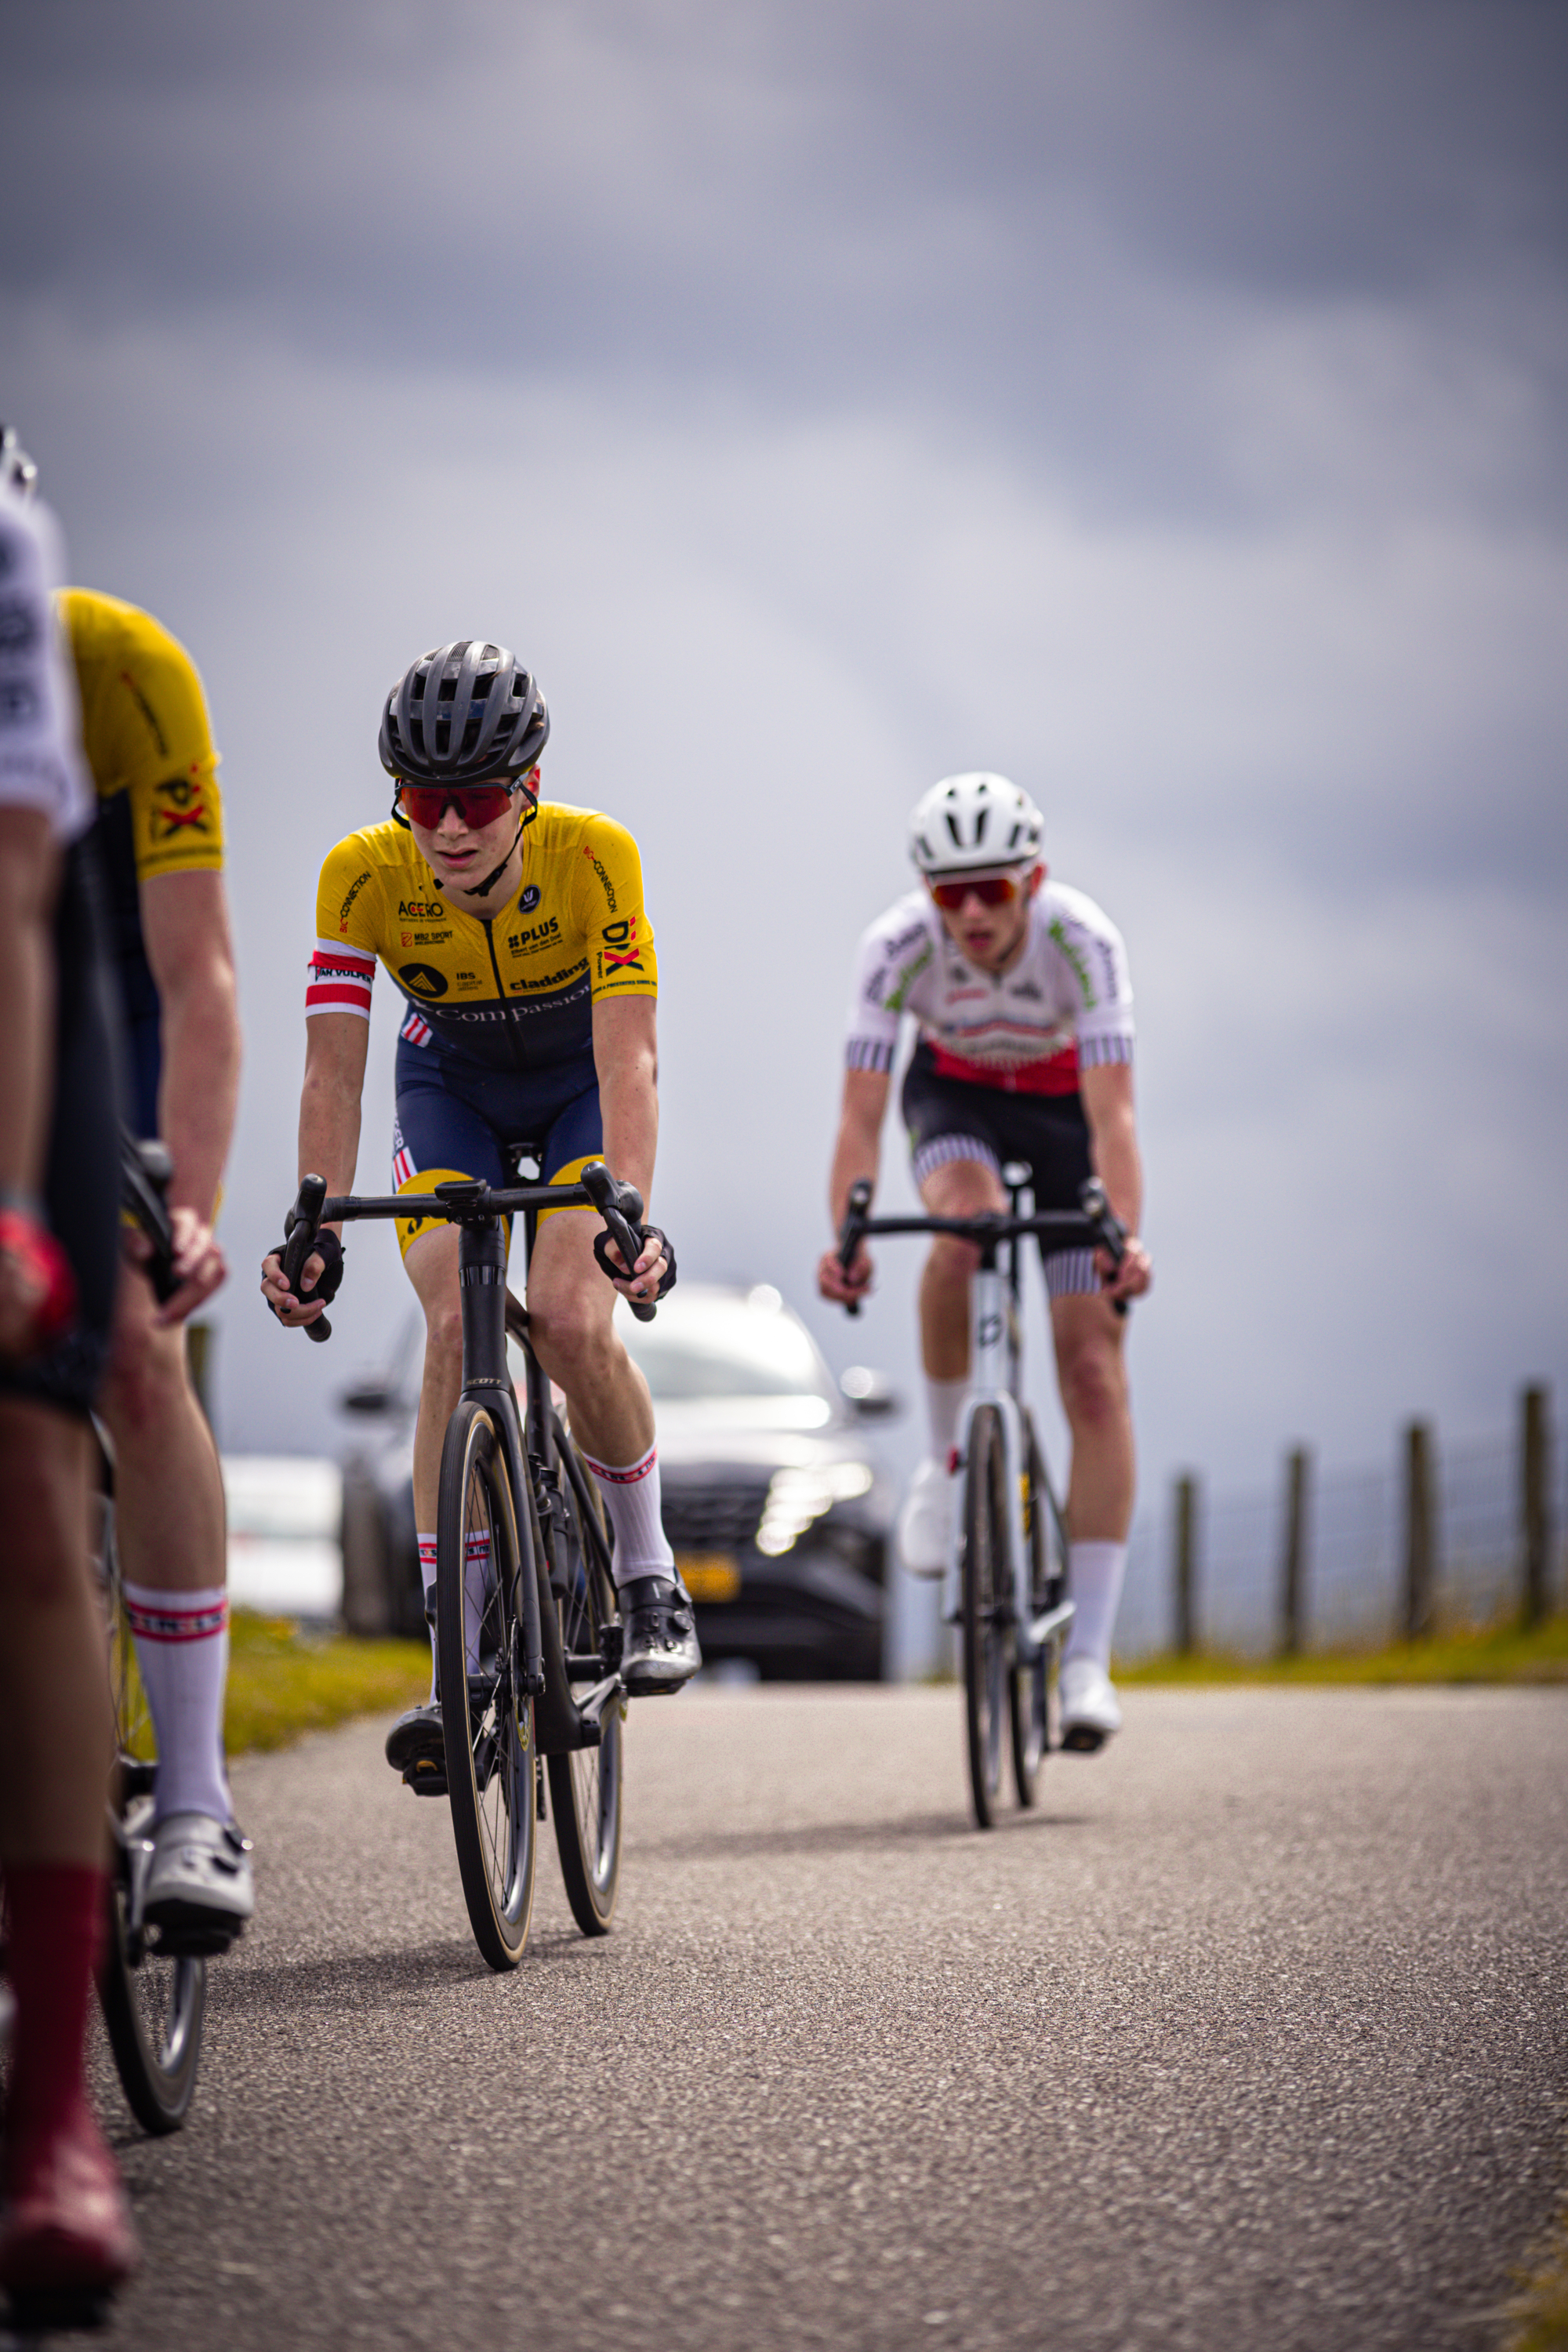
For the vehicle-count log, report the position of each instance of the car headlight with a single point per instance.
(798, 1497)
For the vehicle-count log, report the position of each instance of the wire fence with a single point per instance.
(1353, 1556)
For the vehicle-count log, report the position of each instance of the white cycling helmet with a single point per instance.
(966, 822)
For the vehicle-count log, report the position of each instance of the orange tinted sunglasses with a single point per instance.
(992, 890)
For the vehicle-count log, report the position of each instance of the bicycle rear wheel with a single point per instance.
(154, 2007)
(486, 1722)
(585, 1784)
(1028, 1684)
(986, 1633)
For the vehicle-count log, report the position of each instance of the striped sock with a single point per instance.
(182, 1649)
(631, 1499)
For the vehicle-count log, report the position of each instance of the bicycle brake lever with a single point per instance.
(307, 1224)
(615, 1203)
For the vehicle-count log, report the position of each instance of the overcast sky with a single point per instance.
(1161, 403)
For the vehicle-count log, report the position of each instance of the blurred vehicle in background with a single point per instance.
(779, 1512)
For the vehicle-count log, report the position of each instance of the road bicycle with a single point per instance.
(1006, 1587)
(154, 1997)
(528, 1634)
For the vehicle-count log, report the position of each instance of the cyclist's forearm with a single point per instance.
(628, 1105)
(857, 1152)
(199, 1089)
(336, 1050)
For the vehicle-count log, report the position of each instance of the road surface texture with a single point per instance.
(1255, 2035)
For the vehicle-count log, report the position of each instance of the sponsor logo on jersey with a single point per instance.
(535, 936)
(421, 910)
(529, 900)
(620, 949)
(348, 902)
(606, 884)
(550, 979)
(1028, 989)
(423, 979)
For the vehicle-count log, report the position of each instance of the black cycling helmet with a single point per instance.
(461, 714)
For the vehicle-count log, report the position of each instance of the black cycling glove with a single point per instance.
(643, 1233)
(329, 1250)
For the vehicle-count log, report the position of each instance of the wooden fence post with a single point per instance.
(1186, 1566)
(1420, 1533)
(1535, 1504)
(1293, 1565)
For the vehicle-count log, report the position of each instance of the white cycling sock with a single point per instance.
(631, 1499)
(1095, 1572)
(428, 1579)
(476, 1584)
(182, 1650)
(944, 1401)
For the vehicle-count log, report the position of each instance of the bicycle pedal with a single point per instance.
(189, 1942)
(425, 1777)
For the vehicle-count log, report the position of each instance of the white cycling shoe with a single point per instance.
(925, 1522)
(1089, 1711)
(200, 1892)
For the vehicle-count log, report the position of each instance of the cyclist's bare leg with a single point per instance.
(431, 1263)
(56, 1732)
(1091, 1370)
(571, 1305)
(168, 1485)
(964, 1188)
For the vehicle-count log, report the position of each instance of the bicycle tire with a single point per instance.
(1028, 1684)
(585, 1783)
(986, 1636)
(488, 1725)
(153, 2008)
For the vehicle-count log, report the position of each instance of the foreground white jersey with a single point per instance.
(1065, 1005)
(40, 746)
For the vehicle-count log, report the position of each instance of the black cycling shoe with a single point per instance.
(417, 1747)
(661, 1647)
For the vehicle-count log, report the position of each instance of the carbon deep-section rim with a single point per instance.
(488, 1725)
(987, 1642)
(1028, 1684)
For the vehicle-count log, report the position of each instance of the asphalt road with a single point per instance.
(1255, 2035)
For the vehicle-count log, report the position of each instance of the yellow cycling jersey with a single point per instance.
(144, 732)
(512, 990)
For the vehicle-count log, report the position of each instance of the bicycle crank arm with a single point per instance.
(1055, 1621)
(592, 1705)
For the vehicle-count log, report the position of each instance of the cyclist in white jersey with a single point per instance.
(1023, 1008)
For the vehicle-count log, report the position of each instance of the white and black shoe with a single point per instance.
(200, 1892)
(1089, 1711)
(417, 1746)
(925, 1522)
(661, 1648)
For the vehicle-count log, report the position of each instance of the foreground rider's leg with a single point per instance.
(169, 1525)
(67, 2224)
(1092, 1372)
(960, 1187)
(571, 1305)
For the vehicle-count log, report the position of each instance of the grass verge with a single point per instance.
(283, 1682)
(1494, 1654)
(1539, 2313)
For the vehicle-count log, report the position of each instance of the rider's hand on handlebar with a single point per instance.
(652, 1266)
(1132, 1277)
(199, 1264)
(296, 1311)
(841, 1286)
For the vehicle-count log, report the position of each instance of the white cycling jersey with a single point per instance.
(1065, 1005)
(41, 764)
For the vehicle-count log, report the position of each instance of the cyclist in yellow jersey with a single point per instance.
(515, 931)
(150, 751)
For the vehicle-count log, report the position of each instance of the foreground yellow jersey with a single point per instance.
(144, 732)
(513, 991)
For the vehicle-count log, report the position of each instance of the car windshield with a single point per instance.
(714, 1343)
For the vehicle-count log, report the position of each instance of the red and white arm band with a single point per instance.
(339, 980)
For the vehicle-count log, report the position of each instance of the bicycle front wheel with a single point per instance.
(1028, 1684)
(585, 1784)
(985, 1620)
(486, 1721)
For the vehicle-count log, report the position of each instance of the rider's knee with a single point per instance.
(148, 1378)
(1093, 1384)
(953, 1261)
(444, 1337)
